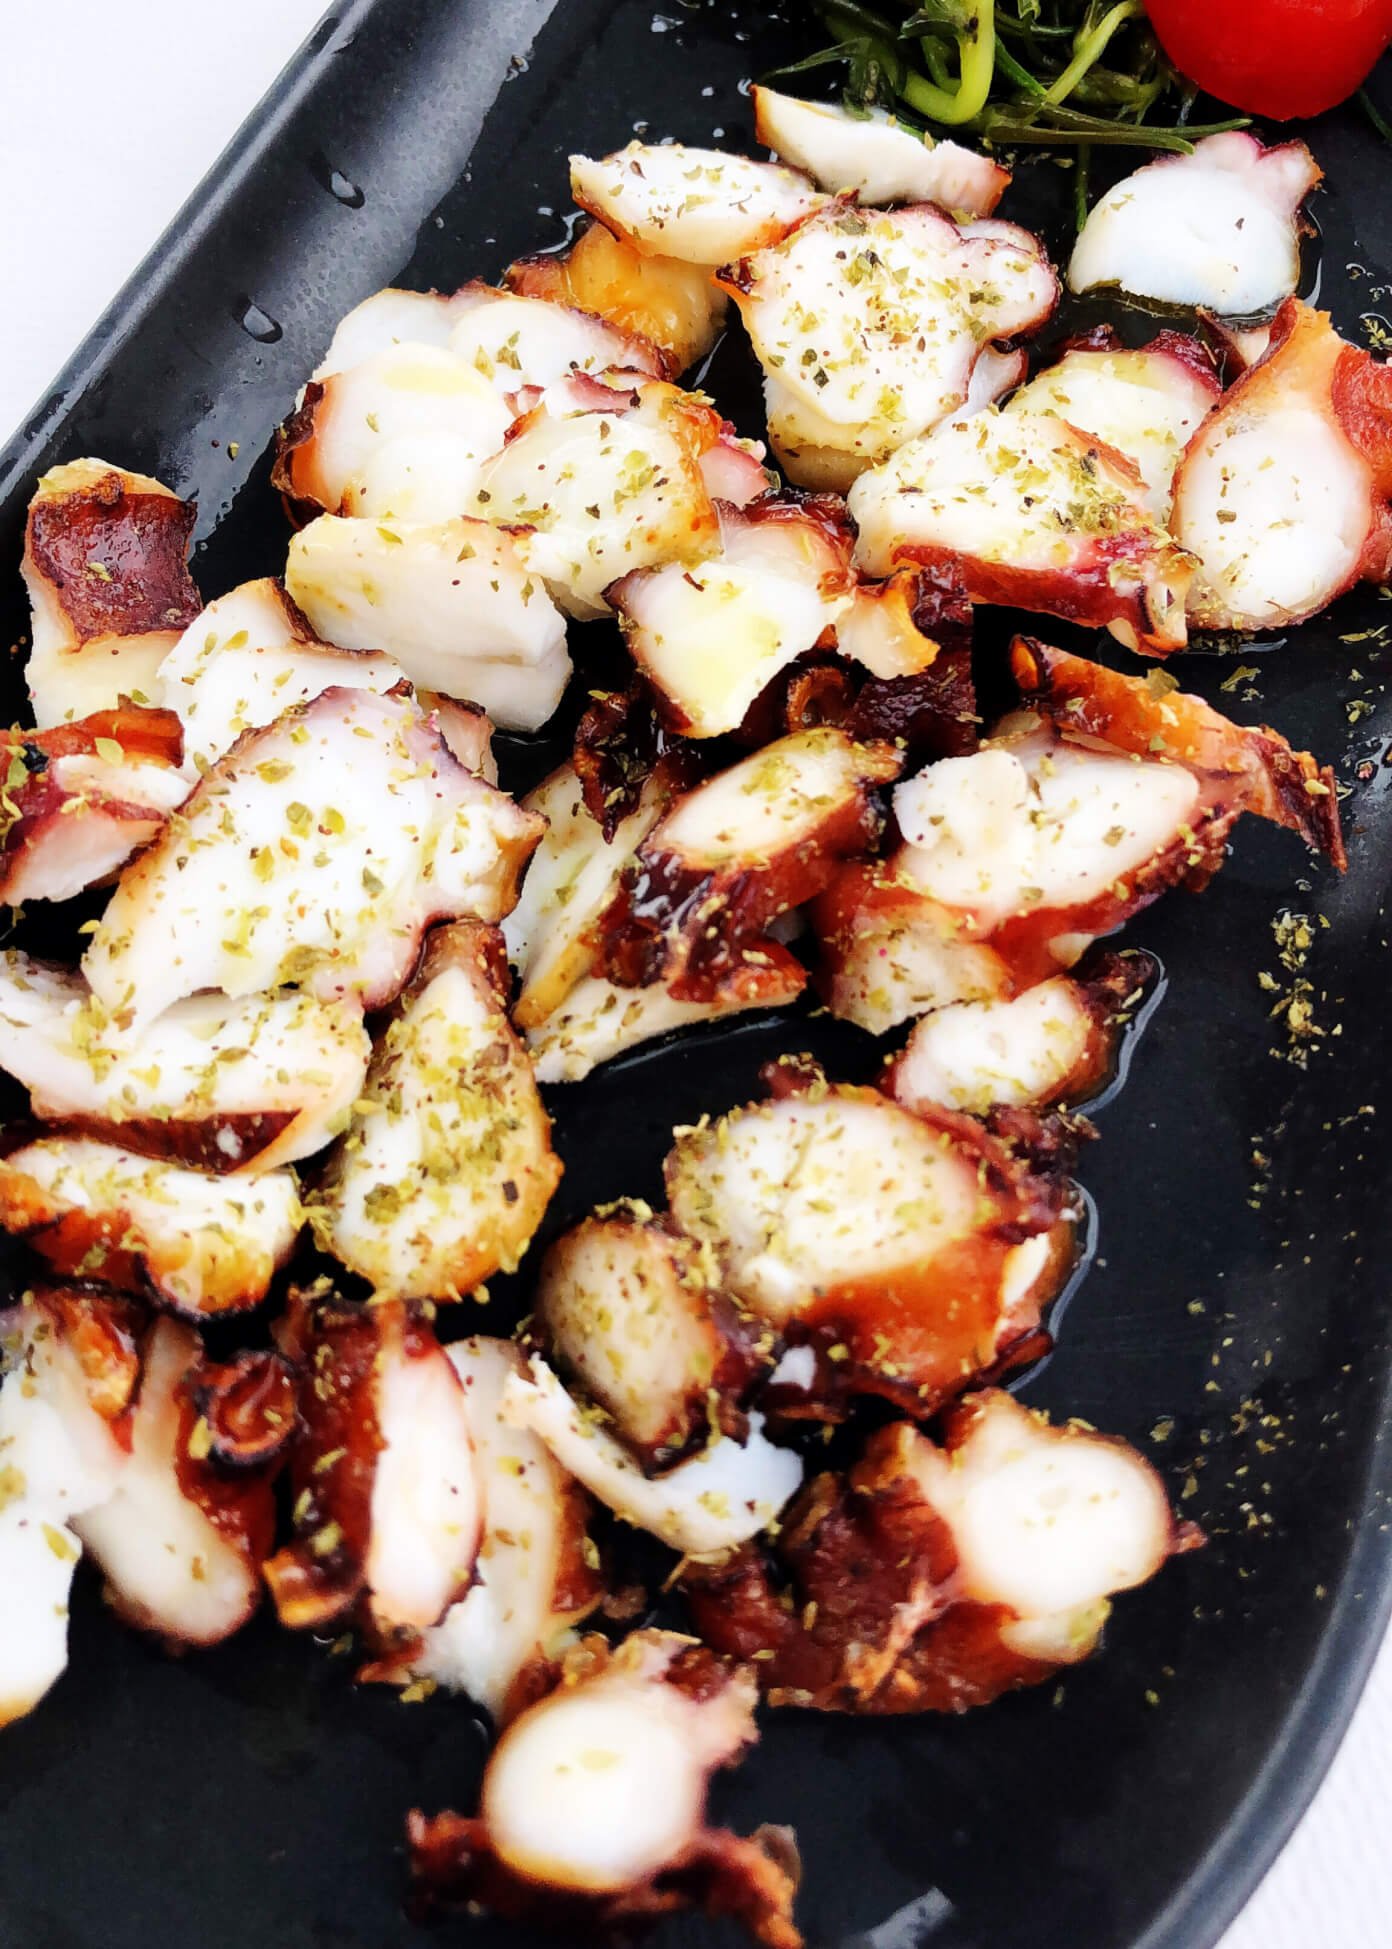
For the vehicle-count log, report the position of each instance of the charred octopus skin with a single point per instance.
(84, 796)
(1282, 495)
(121, 1436)
(635, 1312)
(387, 1512)
(215, 1084)
(106, 567)
(1071, 818)
(1052, 1045)
(1033, 512)
(910, 1252)
(935, 1576)
(592, 1815)
(734, 854)
(192, 1242)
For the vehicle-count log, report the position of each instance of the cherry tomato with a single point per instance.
(1274, 57)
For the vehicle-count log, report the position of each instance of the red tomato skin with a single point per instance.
(1278, 58)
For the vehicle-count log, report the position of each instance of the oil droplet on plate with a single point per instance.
(258, 324)
(342, 187)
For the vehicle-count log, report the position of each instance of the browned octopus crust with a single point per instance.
(620, 741)
(248, 1406)
(103, 1330)
(691, 926)
(1109, 987)
(77, 1242)
(1239, 770)
(929, 714)
(216, 1145)
(117, 558)
(919, 1336)
(38, 811)
(738, 1344)
(1251, 768)
(452, 1866)
(1093, 593)
(296, 432)
(335, 1346)
(235, 1426)
(1360, 405)
(452, 1862)
(233, 1422)
(855, 1600)
(1190, 352)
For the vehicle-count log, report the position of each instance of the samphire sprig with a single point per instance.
(1060, 73)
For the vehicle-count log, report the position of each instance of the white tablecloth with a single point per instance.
(156, 88)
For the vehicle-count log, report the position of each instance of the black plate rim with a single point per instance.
(1316, 1722)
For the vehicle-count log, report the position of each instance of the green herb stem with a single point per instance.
(1374, 115)
(976, 57)
(1090, 49)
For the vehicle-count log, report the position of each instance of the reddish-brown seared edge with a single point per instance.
(452, 1866)
(80, 1244)
(102, 1328)
(868, 897)
(317, 1578)
(858, 1599)
(1108, 989)
(1361, 396)
(36, 843)
(291, 462)
(215, 1145)
(155, 736)
(36, 811)
(1190, 352)
(824, 514)
(453, 1863)
(1238, 770)
(247, 1409)
(688, 926)
(141, 540)
(931, 714)
(1360, 406)
(922, 1334)
(236, 1498)
(1085, 592)
(1253, 768)
(619, 743)
(738, 1344)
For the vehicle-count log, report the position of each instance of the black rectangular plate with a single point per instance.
(1233, 1321)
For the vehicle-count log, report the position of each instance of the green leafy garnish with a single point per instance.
(1049, 72)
